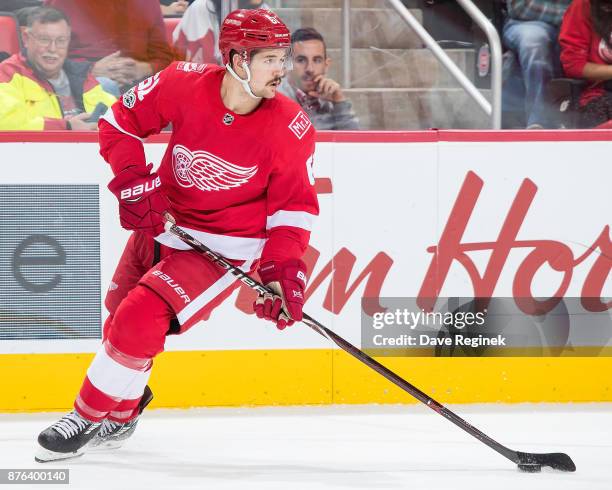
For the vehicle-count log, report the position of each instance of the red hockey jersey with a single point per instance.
(241, 184)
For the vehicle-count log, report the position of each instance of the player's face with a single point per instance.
(47, 46)
(268, 67)
(309, 60)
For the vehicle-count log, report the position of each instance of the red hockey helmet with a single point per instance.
(245, 30)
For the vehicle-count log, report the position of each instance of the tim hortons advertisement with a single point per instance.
(467, 248)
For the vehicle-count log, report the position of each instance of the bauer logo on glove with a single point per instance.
(142, 202)
(287, 280)
(136, 192)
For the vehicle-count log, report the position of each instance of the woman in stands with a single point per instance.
(586, 52)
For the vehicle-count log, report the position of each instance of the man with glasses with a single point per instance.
(43, 90)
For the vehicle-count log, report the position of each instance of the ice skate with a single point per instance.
(66, 438)
(112, 434)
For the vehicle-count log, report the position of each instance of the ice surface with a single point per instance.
(341, 447)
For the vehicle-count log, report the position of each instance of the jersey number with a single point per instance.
(147, 85)
(309, 170)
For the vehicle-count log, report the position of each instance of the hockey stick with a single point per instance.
(530, 462)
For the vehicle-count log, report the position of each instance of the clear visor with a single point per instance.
(270, 59)
(288, 62)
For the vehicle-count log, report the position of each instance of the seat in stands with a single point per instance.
(10, 41)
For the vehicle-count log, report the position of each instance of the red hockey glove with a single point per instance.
(287, 279)
(142, 203)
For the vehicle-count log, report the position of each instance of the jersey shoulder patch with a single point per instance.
(291, 116)
(300, 125)
(138, 93)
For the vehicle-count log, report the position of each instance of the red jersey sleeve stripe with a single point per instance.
(296, 219)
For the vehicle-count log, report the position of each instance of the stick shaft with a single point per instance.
(349, 348)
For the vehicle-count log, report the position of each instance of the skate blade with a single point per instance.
(106, 446)
(45, 456)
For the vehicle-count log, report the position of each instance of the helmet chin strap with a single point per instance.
(243, 82)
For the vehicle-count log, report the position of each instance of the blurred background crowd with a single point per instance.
(64, 62)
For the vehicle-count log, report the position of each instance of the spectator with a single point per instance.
(195, 38)
(321, 97)
(173, 7)
(43, 90)
(124, 39)
(586, 52)
(197, 35)
(530, 33)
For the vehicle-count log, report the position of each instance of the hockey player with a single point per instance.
(237, 175)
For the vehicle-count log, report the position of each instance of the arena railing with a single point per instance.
(492, 109)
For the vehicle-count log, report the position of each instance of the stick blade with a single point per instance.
(557, 461)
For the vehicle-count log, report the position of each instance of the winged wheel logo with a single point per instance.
(206, 171)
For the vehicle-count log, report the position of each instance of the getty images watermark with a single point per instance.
(483, 327)
(437, 320)
(18, 476)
